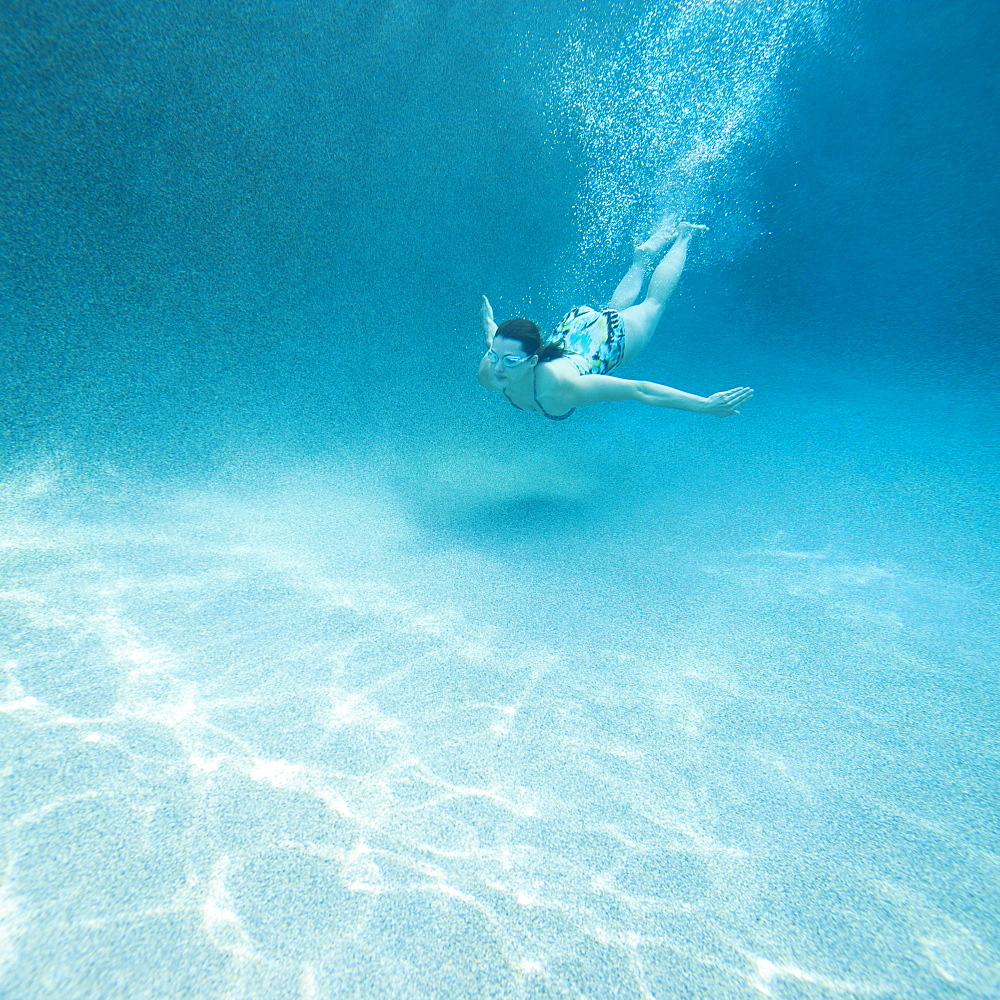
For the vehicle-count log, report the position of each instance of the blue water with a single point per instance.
(326, 673)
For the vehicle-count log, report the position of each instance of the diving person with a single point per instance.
(572, 367)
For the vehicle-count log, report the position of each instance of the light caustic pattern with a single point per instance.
(252, 751)
(665, 107)
(235, 770)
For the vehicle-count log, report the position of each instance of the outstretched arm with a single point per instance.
(606, 388)
(485, 374)
(489, 326)
(719, 404)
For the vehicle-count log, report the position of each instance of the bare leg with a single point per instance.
(641, 320)
(646, 255)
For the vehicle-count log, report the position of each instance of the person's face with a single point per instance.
(502, 357)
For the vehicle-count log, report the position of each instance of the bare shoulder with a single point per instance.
(486, 379)
(556, 372)
(554, 383)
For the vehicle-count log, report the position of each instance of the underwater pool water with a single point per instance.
(326, 674)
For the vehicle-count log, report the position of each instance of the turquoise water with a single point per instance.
(327, 674)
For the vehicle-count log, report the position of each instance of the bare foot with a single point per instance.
(690, 229)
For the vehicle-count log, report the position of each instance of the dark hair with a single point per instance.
(529, 336)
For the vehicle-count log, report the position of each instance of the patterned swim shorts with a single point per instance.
(594, 341)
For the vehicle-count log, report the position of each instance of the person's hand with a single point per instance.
(486, 315)
(724, 404)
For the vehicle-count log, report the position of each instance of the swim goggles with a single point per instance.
(509, 360)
